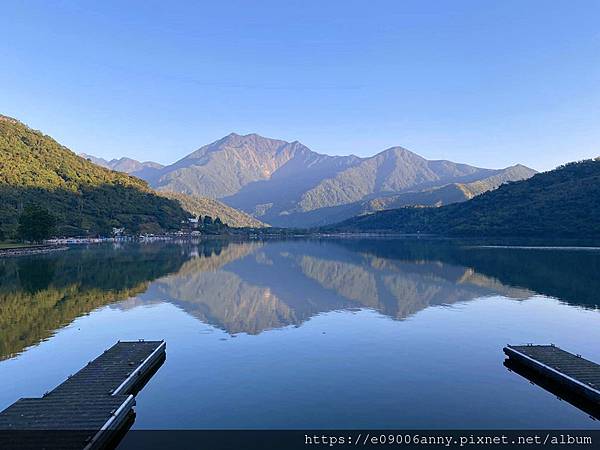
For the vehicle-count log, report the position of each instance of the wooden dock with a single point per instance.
(576, 375)
(97, 400)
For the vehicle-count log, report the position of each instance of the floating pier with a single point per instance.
(97, 400)
(557, 370)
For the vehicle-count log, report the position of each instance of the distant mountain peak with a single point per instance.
(398, 151)
(521, 166)
(124, 164)
(235, 139)
(287, 184)
(235, 135)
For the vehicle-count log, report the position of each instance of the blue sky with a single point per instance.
(490, 83)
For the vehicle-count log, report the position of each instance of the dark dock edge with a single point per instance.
(114, 423)
(577, 386)
(129, 387)
(554, 387)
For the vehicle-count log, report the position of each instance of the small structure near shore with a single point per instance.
(91, 408)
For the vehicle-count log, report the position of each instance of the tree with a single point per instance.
(218, 222)
(36, 224)
(207, 220)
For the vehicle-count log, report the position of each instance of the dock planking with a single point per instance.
(575, 374)
(97, 400)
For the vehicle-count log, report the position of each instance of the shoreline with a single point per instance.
(31, 250)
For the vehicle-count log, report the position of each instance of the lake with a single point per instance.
(346, 333)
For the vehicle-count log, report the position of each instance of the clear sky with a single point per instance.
(489, 83)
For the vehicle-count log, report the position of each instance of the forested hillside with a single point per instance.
(561, 202)
(85, 198)
(203, 206)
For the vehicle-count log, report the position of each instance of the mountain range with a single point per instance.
(287, 184)
(197, 205)
(564, 202)
(126, 165)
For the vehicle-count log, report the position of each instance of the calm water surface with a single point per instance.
(307, 334)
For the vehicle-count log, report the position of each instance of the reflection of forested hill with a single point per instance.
(286, 283)
(41, 294)
(568, 275)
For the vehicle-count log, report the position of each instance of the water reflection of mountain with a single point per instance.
(568, 275)
(286, 283)
(213, 294)
(41, 294)
(252, 286)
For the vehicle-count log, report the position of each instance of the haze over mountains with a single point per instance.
(287, 184)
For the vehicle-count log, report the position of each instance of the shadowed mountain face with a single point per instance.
(250, 287)
(287, 184)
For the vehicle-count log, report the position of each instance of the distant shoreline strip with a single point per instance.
(531, 247)
(24, 251)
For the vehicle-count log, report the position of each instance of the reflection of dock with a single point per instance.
(568, 376)
(97, 400)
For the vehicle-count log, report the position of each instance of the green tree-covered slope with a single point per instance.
(561, 202)
(85, 198)
(203, 206)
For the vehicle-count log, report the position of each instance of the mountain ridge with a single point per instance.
(144, 170)
(287, 184)
(564, 202)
